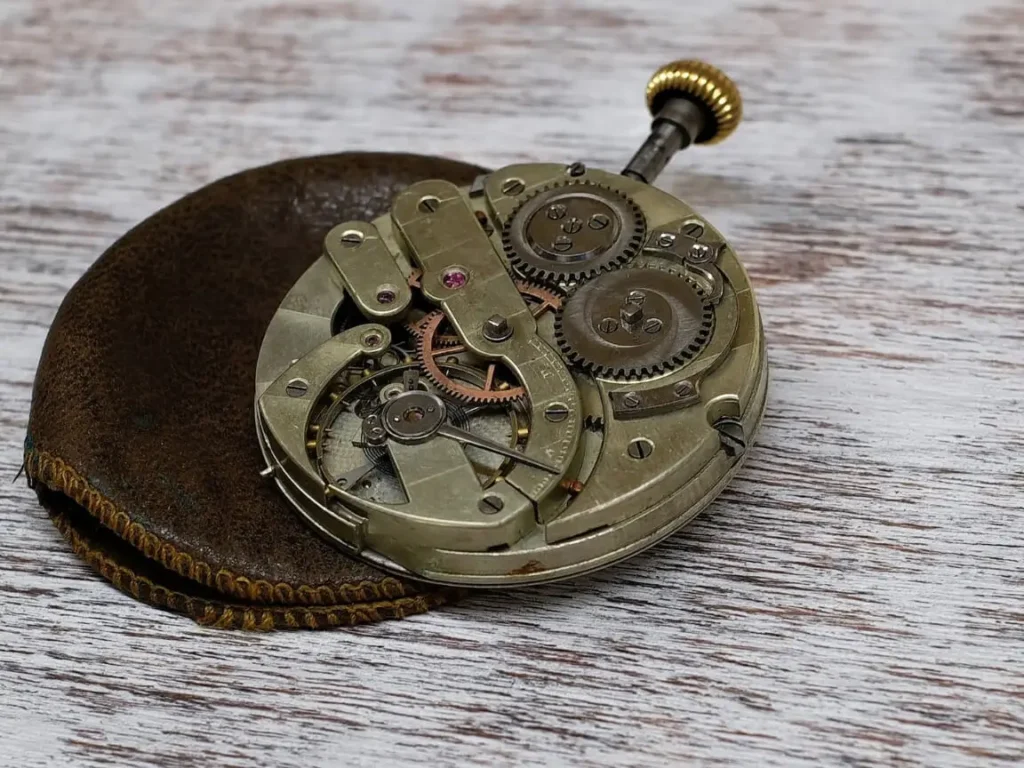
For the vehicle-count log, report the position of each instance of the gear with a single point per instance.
(417, 327)
(432, 345)
(635, 322)
(573, 230)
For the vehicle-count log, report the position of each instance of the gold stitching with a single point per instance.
(56, 474)
(234, 617)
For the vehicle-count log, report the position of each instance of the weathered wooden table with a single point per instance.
(857, 597)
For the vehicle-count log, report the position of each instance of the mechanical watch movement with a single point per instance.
(524, 379)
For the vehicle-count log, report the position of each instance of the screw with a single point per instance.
(491, 505)
(652, 325)
(631, 313)
(631, 400)
(497, 328)
(556, 211)
(513, 186)
(556, 412)
(351, 238)
(297, 387)
(683, 389)
(375, 436)
(562, 243)
(666, 240)
(699, 253)
(572, 226)
(693, 229)
(576, 169)
(429, 204)
(730, 432)
(598, 221)
(373, 431)
(636, 297)
(608, 325)
(640, 448)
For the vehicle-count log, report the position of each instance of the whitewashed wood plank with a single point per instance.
(855, 598)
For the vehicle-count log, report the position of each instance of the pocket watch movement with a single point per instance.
(523, 379)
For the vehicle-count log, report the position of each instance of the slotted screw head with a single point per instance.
(513, 186)
(351, 238)
(562, 243)
(640, 448)
(556, 412)
(653, 325)
(491, 505)
(683, 389)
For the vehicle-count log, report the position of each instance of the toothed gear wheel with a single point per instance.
(573, 230)
(635, 322)
(433, 344)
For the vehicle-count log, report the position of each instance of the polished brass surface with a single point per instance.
(705, 84)
(476, 428)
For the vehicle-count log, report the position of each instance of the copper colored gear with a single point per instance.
(416, 328)
(429, 350)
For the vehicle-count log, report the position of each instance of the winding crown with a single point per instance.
(707, 85)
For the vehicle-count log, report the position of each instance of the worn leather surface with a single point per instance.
(142, 411)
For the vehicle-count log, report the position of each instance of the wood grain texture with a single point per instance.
(855, 598)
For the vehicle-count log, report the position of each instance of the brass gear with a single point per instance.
(540, 299)
(635, 322)
(572, 230)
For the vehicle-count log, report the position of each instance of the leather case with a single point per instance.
(141, 440)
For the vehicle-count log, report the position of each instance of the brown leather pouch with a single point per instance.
(141, 438)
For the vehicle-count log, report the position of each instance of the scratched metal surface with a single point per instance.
(855, 598)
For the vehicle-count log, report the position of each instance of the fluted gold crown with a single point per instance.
(707, 85)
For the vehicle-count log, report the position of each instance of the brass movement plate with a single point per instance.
(513, 382)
